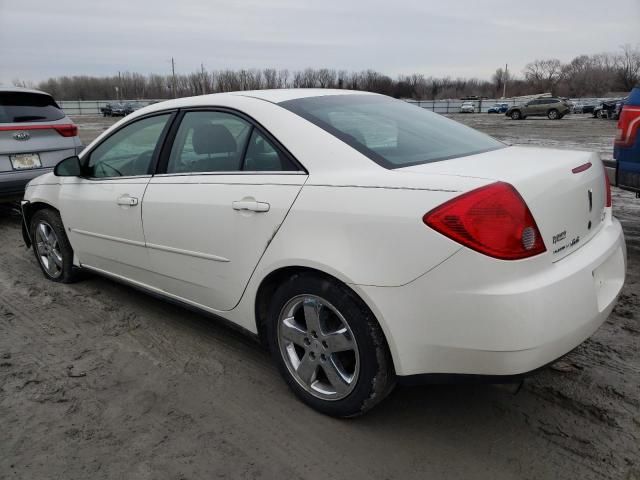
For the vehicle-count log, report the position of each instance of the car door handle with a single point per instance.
(128, 201)
(250, 205)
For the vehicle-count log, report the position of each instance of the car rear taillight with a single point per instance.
(493, 220)
(70, 130)
(607, 186)
(628, 125)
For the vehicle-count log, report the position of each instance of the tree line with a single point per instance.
(584, 76)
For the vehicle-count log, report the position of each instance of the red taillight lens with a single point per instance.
(607, 187)
(628, 125)
(493, 220)
(66, 130)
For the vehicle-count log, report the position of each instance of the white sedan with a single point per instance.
(467, 107)
(364, 240)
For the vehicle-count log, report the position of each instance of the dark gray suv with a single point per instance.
(552, 108)
(35, 134)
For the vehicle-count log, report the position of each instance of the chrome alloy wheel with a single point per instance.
(48, 249)
(318, 347)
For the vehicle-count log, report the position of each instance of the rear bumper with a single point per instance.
(12, 184)
(479, 316)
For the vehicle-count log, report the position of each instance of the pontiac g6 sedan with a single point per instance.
(366, 241)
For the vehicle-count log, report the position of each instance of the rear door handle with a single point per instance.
(128, 201)
(250, 205)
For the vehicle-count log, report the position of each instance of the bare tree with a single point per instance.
(628, 66)
(585, 75)
(544, 74)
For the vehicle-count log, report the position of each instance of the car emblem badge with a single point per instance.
(590, 192)
(21, 136)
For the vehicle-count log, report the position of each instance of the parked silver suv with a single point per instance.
(35, 134)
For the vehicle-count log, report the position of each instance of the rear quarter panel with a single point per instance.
(361, 235)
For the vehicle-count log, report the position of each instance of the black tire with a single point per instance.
(51, 219)
(553, 114)
(376, 377)
(516, 115)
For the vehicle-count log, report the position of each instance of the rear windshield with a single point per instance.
(17, 107)
(391, 132)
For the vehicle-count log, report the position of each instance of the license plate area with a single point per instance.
(25, 161)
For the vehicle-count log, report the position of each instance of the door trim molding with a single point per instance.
(108, 237)
(189, 253)
(153, 246)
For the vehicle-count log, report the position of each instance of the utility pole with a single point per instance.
(173, 73)
(204, 80)
(504, 80)
(119, 89)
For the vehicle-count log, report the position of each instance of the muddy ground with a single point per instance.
(101, 381)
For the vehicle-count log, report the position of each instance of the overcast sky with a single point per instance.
(44, 38)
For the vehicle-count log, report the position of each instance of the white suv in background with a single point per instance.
(35, 134)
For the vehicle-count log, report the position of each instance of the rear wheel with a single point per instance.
(51, 247)
(553, 114)
(516, 115)
(328, 346)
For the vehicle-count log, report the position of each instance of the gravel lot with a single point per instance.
(101, 381)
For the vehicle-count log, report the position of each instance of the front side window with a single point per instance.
(129, 151)
(391, 132)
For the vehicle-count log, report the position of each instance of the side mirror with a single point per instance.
(69, 167)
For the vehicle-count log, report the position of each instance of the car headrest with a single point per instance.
(209, 138)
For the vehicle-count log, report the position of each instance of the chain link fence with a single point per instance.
(481, 105)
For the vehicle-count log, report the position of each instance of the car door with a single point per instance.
(530, 108)
(102, 209)
(224, 190)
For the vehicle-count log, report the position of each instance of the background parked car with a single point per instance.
(498, 108)
(553, 108)
(626, 149)
(117, 109)
(467, 107)
(609, 109)
(35, 134)
(584, 107)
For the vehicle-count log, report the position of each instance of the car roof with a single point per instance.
(273, 96)
(22, 90)
(284, 94)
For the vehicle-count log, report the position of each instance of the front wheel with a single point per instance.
(516, 115)
(328, 346)
(553, 114)
(51, 246)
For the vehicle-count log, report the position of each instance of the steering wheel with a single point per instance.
(105, 164)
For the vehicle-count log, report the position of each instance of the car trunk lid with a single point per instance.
(565, 190)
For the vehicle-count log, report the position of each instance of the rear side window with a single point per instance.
(391, 132)
(19, 107)
(209, 142)
(214, 141)
(262, 156)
